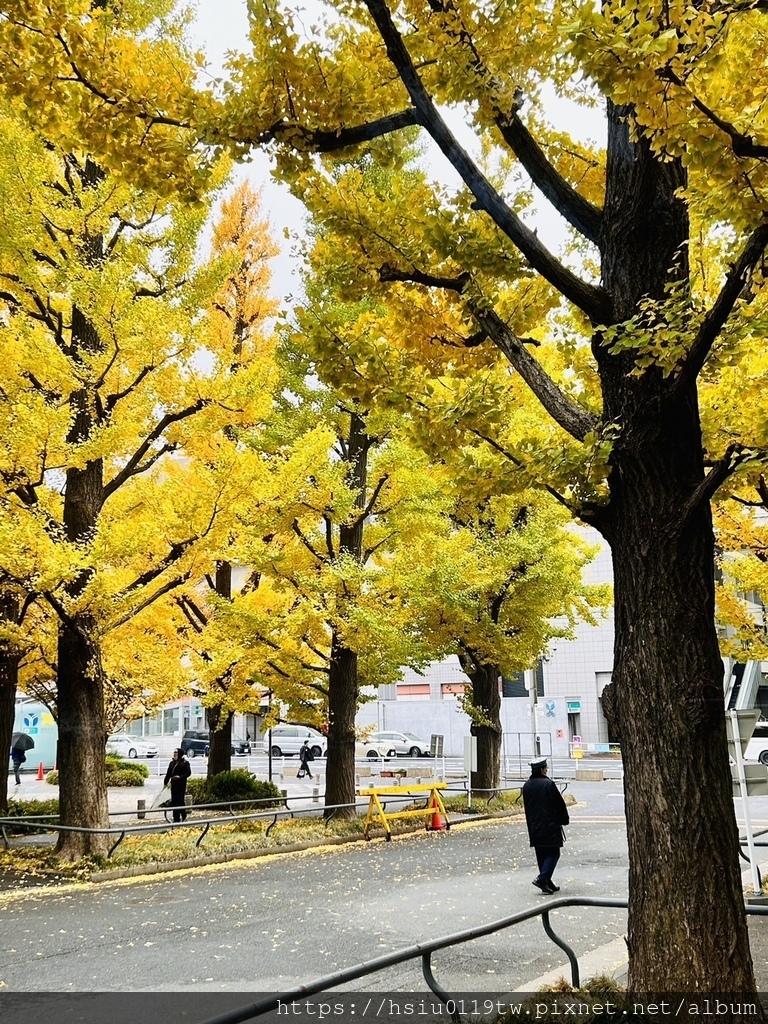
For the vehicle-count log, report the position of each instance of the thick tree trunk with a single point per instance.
(80, 699)
(486, 698)
(220, 756)
(9, 678)
(683, 842)
(687, 928)
(343, 693)
(220, 719)
(343, 680)
(82, 738)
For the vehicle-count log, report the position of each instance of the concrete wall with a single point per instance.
(445, 718)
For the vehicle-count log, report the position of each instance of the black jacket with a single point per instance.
(182, 768)
(545, 811)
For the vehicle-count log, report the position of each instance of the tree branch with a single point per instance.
(591, 299)
(307, 543)
(571, 417)
(133, 466)
(68, 621)
(579, 212)
(329, 536)
(456, 284)
(113, 399)
(198, 621)
(742, 145)
(374, 496)
(174, 554)
(164, 589)
(341, 138)
(718, 474)
(715, 319)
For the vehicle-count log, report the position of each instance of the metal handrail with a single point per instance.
(44, 822)
(49, 822)
(425, 950)
(159, 826)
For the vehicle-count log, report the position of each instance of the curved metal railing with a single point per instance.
(425, 950)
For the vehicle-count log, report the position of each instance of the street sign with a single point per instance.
(470, 754)
(746, 721)
(755, 777)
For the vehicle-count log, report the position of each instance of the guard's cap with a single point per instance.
(537, 766)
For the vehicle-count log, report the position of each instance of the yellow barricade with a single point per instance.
(435, 810)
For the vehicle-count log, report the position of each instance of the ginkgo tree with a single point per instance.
(241, 314)
(487, 571)
(624, 333)
(662, 289)
(111, 367)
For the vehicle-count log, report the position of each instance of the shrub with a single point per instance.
(237, 784)
(125, 770)
(124, 777)
(29, 808)
(197, 792)
(119, 773)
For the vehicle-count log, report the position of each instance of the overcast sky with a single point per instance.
(222, 25)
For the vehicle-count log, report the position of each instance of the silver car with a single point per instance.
(287, 740)
(401, 744)
(130, 746)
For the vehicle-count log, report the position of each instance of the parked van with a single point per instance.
(289, 739)
(197, 742)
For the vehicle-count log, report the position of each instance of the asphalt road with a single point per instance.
(273, 924)
(195, 944)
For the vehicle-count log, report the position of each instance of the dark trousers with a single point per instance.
(16, 770)
(305, 768)
(547, 858)
(178, 794)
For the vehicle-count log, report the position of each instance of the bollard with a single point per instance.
(315, 795)
(284, 793)
(141, 806)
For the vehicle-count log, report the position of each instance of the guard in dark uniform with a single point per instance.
(545, 815)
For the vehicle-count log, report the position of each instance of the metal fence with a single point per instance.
(425, 951)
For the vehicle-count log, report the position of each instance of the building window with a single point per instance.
(413, 691)
(170, 721)
(450, 691)
(153, 724)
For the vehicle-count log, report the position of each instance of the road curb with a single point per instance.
(162, 867)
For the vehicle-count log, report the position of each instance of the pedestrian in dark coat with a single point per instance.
(18, 757)
(178, 772)
(545, 815)
(305, 756)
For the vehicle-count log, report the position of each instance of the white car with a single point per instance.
(371, 749)
(130, 746)
(757, 748)
(289, 739)
(401, 744)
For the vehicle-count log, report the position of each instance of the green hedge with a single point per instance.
(29, 808)
(237, 784)
(119, 772)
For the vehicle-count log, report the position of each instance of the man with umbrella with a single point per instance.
(20, 743)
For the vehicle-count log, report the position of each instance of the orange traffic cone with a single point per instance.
(439, 824)
(40, 773)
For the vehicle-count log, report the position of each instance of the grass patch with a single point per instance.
(508, 800)
(36, 864)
